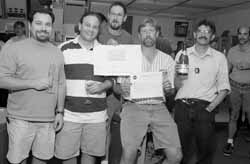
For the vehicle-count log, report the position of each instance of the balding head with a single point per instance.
(243, 35)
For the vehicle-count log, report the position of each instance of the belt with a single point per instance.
(191, 101)
(239, 85)
(140, 101)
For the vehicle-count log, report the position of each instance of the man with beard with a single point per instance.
(85, 116)
(113, 34)
(239, 71)
(199, 93)
(138, 114)
(33, 71)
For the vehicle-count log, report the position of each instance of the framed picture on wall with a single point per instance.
(181, 29)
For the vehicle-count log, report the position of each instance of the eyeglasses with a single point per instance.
(204, 31)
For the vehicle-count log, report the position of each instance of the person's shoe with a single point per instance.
(228, 149)
(104, 162)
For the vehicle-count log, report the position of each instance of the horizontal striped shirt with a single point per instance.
(79, 105)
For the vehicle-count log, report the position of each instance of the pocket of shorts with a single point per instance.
(17, 122)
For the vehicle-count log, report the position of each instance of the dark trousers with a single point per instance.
(3, 97)
(196, 125)
(115, 147)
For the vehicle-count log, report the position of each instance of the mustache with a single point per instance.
(203, 37)
(148, 37)
(43, 31)
(114, 21)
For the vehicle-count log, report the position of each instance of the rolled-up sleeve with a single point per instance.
(223, 76)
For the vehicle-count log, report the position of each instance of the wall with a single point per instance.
(231, 20)
(72, 15)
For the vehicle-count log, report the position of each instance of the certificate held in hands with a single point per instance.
(146, 85)
(117, 60)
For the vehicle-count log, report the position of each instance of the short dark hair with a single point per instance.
(92, 14)
(102, 17)
(117, 3)
(150, 21)
(208, 23)
(18, 23)
(43, 11)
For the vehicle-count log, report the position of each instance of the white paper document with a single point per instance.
(146, 85)
(117, 60)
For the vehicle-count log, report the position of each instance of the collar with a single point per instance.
(192, 51)
(42, 44)
(76, 41)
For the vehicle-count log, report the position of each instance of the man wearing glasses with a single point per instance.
(199, 94)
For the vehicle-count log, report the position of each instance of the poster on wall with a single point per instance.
(181, 29)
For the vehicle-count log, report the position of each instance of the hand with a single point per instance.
(210, 108)
(167, 86)
(117, 89)
(112, 42)
(125, 87)
(41, 84)
(243, 66)
(179, 81)
(93, 87)
(58, 123)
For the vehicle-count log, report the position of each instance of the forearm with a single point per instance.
(12, 83)
(246, 66)
(61, 98)
(107, 84)
(217, 100)
(178, 81)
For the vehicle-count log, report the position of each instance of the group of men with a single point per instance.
(58, 107)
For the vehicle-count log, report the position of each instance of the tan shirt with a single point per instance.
(30, 59)
(208, 74)
(236, 57)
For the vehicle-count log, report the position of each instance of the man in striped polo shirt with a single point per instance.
(85, 105)
(138, 114)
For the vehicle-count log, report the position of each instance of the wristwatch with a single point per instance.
(60, 112)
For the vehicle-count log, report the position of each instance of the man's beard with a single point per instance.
(42, 39)
(148, 42)
(243, 41)
(114, 25)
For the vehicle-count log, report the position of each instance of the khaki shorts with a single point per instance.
(134, 125)
(90, 138)
(25, 136)
(239, 99)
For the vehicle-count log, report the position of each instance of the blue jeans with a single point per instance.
(196, 124)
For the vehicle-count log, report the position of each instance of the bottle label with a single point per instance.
(182, 69)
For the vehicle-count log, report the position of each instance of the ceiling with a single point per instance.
(188, 9)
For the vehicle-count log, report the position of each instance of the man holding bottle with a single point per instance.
(199, 92)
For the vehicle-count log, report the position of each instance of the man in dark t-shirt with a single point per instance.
(113, 34)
